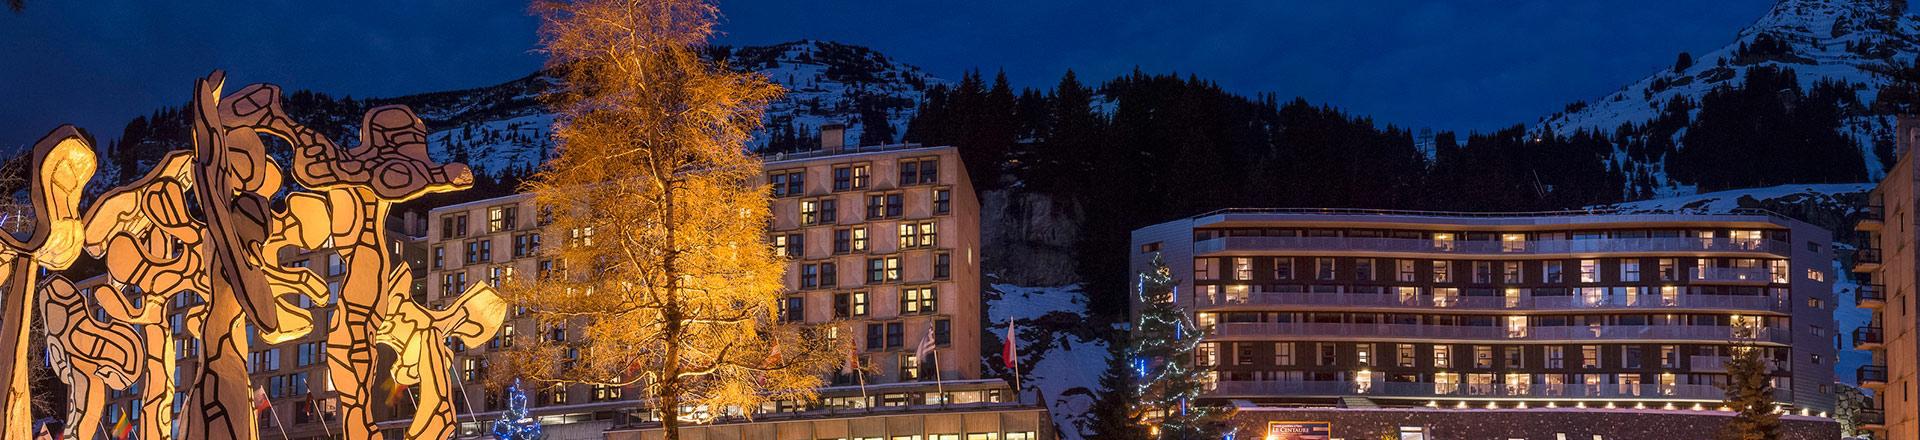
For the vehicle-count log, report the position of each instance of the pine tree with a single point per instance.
(661, 258)
(1750, 393)
(1163, 346)
(514, 423)
(1113, 416)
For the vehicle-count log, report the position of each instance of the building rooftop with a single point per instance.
(776, 158)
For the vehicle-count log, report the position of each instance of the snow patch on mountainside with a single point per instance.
(1067, 373)
(1726, 201)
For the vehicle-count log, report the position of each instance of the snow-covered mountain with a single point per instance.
(505, 126)
(1858, 42)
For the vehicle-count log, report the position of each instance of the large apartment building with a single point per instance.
(1353, 308)
(1886, 258)
(883, 245)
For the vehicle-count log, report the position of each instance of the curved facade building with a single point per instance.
(1359, 309)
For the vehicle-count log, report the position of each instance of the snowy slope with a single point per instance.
(1820, 32)
(1727, 201)
(1061, 357)
(1853, 41)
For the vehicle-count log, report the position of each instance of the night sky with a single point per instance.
(1464, 65)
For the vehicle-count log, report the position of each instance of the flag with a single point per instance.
(926, 346)
(123, 428)
(260, 402)
(1009, 352)
(773, 356)
(394, 391)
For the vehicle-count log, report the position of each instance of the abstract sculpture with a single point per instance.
(199, 231)
(63, 162)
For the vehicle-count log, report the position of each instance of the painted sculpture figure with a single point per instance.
(199, 233)
(62, 163)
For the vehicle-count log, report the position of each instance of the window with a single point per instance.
(1483, 272)
(1363, 269)
(495, 275)
(876, 337)
(1510, 272)
(1556, 356)
(787, 183)
(896, 336)
(1514, 355)
(1442, 271)
(793, 309)
(1363, 355)
(849, 304)
(942, 201)
(1323, 268)
(1589, 356)
(453, 226)
(1283, 268)
(918, 171)
(1242, 268)
(942, 266)
(1283, 353)
(439, 257)
(918, 300)
(452, 284)
(860, 239)
(1630, 355)
(809, 276)
(1670, 356)
(842, 241)
(1668, 272)
(1630, 271)
(1243, 353)
(821, 211)
(1443, 241)
(942, 333)
(1406, 271)
(1589, 271)
(501, 218)
(881, 206)
(1443, 356)
(849, 177)
(526, 244)
(1551, 272)
(790, 245)
(1327, 353)
(1404, 355)
(883, 270)
(479, 251)
(1206, 269)
(1482, 356)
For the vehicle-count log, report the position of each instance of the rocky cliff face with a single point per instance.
(1028, 238)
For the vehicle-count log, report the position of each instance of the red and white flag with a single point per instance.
(260, 402)
(1010, 352)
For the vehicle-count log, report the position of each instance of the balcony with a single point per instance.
(1870, 296)
(1702, 333)
(1370, 245)
(1872, 376)
(1718, 364)
(1732, 275)
(1419, 390)
(1871, 418)
(1271, 300)
(1867, 338)
(1866, 259)
(1871, 218)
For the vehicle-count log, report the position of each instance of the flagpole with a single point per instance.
(939, 383)
(1019, 394)
(464, 397)
(277, 423)
(315, 405)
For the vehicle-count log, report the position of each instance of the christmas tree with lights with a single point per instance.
(514, 424)
(1162, 350)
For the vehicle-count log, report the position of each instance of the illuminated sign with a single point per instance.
(1299, 430)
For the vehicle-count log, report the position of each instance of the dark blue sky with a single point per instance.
(1468, 65)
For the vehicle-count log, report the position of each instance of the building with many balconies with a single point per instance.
(1363, 309)
(1885, 258)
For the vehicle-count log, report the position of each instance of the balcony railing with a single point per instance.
(1871, 373)
(1867, 336)
(1866, 256)
(1496, 333)
(1490, 247)
(1869, 295)
(1734, 275)
(1870, 417)
(1428, 302)
(1460, 390)
(1718, 364)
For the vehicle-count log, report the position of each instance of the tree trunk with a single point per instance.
(670, 385)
